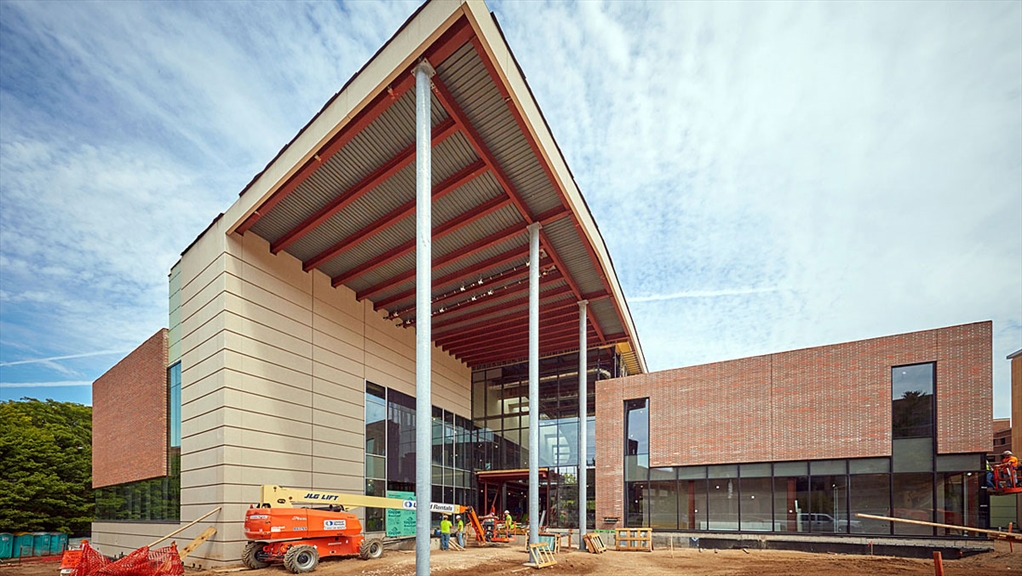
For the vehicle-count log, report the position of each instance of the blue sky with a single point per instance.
(767, 176)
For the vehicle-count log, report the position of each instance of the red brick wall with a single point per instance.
(129, 417)
(817, 403)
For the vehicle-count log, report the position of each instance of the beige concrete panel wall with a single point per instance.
(274, 367)
(116, 538)
(174, 315)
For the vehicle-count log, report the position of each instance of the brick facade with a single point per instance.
(129, 417)
(816, 403)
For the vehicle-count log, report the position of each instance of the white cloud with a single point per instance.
(9, 385)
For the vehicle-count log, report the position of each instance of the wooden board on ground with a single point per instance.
(191, 546)
(594, 544)
(634, 539)
(540, 555)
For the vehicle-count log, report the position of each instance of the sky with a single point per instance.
(767, 176)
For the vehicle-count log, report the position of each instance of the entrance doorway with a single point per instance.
(501, 490)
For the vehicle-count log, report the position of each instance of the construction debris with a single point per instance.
(594, 544)
(634, 540)
(540, 556)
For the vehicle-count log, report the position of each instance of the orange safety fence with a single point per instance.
(142, 562)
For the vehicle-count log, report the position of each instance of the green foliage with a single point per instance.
(46, 475)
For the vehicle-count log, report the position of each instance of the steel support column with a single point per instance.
(423, 294)
(583, 376)
(534, 382)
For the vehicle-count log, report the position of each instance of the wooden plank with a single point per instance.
(935, 524)
(206, 535)
(540, 556)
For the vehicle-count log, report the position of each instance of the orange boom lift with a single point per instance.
(279, 531)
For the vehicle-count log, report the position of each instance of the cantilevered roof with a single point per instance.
(340, 197)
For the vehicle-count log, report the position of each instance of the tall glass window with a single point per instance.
(722, 503)
(756, 503)
(174, 404)
(912, 401)
(912, 451)
(869, 493)
(692, 497)
(791, 497)
(376, 452)
(637, 462)
(663, 498)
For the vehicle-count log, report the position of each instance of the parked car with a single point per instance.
(818, 522)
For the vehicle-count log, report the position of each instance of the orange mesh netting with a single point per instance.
(142, 562)
(89, 562)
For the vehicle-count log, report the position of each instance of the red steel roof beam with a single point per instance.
(551, 319)
(520, 121)
(498, 294)
(504, 280)
(442, 189)
(571, 281)
(518, 312)
(510, 334)
(455, 111)
(518, 318)
(559, 338)
(500, 307)
(441, 132)
(454, 38)
(563, 343)
(520, 353)
(512, 340)
(480, 211)
(462, 274)
(474, 248)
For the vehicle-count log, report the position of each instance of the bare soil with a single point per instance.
(508, 561)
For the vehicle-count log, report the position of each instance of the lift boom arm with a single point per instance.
(278, 497)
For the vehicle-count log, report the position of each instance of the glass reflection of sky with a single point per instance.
(638, 428)
(918, 378)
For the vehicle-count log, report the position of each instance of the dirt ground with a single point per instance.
(507, 561)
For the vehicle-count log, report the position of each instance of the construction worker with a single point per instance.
(461, 530)
(445, 533)
(1012, 467)
(509, 523)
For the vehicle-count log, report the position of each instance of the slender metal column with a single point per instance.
(534, 383)
(583, 373)
(423, 307)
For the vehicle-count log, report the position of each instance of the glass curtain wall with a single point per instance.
(390, 452)
(500, 436)
(822, 496)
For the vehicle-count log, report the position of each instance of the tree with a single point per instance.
(46, 476)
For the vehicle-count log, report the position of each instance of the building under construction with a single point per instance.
(291, 353)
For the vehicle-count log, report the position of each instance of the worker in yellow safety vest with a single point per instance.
(509, 522)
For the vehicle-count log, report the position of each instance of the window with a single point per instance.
(912, 401)
(637, 462)
(174, 405)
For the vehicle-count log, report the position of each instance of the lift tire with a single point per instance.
(301, 559)
(253, 557)
(372, 548)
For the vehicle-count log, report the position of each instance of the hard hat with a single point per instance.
(506, 512)
(1007, 453)
(458, 516)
